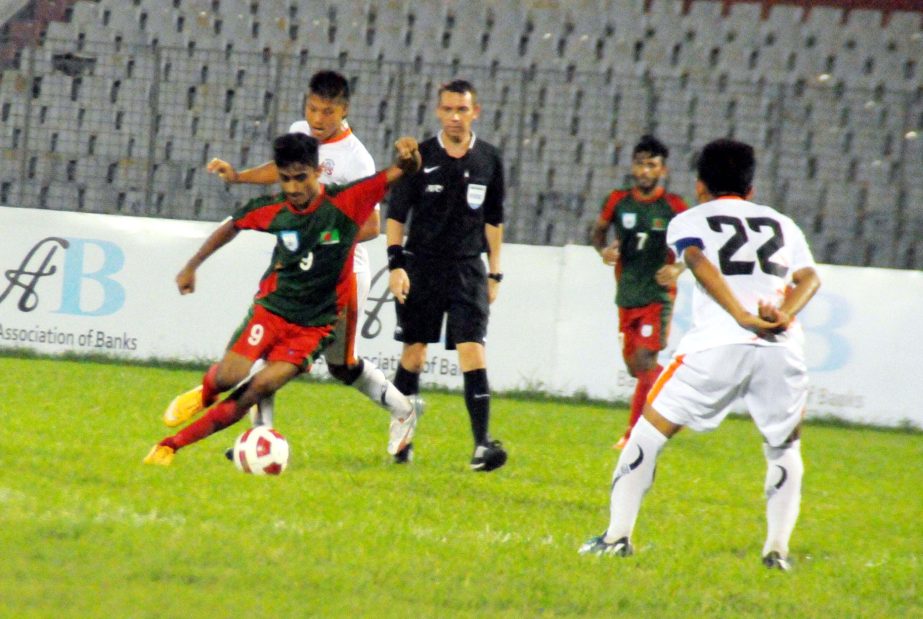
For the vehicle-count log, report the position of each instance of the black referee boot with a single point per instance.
(488, 457)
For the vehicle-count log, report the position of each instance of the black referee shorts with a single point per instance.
(455, 287)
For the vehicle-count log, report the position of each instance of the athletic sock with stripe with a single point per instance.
(372, 382)
(633, 476)
(784, 471)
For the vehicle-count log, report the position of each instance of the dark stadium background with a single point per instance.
(114, 106)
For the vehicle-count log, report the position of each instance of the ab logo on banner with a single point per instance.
(84, 269)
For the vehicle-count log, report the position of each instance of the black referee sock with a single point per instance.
(407, 382)
(477, 399)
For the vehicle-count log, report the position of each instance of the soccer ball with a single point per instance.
(261, 451)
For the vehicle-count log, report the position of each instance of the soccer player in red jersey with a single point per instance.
(645, 270)
(343, 159)
(303, 290)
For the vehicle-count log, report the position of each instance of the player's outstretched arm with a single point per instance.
(264, 174)
(715, 285)
(223, 234)
(371, 228)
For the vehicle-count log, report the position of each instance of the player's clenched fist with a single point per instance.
(610, 254)
(185, 280)
(223, 169)
(408, 154)
(770, 313)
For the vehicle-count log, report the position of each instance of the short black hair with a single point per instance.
(329, 85)
(460, 87)
(726, 167)
(652, 146)
(293, 148)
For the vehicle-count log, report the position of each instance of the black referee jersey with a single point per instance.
(450, 200)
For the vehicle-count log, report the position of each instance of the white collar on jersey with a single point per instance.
(470, 143)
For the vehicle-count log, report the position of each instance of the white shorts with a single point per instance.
(697, 390)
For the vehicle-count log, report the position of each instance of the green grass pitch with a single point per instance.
(87, 531)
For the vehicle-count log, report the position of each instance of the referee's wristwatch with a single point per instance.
(497, 277)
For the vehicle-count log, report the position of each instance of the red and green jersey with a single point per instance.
(307, 281)
(641, 228)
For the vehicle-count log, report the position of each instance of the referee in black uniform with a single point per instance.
(456, 202)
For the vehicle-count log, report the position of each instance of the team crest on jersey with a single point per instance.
(289, 239)
(476, 195)
(329, 237)
(659, 223)
(629, 220)
(327, 166)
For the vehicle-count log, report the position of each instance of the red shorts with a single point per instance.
(646, 327)
(265, 335)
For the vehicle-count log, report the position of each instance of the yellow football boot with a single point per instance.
(184, 407)
(160, 455)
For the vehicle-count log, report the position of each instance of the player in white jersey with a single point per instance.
(754, 272)
(342, 159)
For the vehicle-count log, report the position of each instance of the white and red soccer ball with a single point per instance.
(261, 451)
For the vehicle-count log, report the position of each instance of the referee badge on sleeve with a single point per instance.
(476, 195)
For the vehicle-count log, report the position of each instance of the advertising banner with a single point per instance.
(102, 284)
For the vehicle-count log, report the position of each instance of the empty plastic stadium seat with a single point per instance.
(59, 196)
(779, 36)
(596, 73)
(509, 37)
(841, 209)
(465, 26)
(87, 13)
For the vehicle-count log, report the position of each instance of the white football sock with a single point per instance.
(784, 470)
(372, 382)
(261, 414)
(632, 478)
(258, 365)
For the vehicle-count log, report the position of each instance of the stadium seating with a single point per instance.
(566, 89)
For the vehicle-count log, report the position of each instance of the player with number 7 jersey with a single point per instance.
(645, 271)
(640, 223)
(757, 249)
